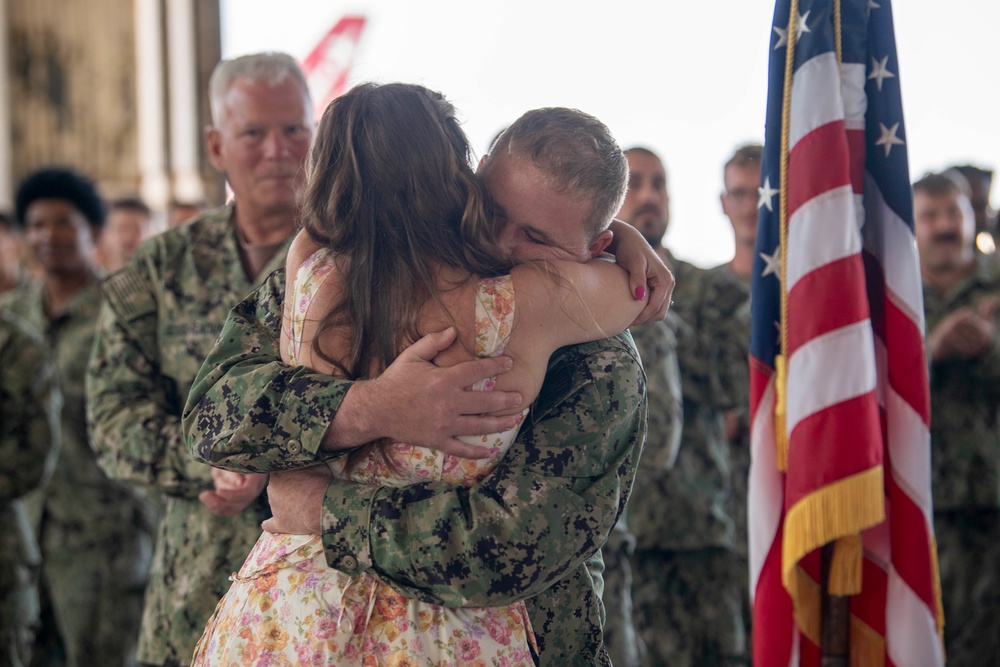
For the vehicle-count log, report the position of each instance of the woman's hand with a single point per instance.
(649, 278)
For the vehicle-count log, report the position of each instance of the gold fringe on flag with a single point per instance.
(839, 509)
(845, 568)
(808, 605)
(867, 645)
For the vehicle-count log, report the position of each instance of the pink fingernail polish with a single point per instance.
(640, 292)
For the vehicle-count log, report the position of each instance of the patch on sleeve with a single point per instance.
(129, 294)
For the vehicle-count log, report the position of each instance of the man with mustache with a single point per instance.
(685, 573)
(160, 317)
(961, 293)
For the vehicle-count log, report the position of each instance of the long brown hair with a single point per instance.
(392, 192)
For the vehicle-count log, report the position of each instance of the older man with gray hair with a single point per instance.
(161, 316)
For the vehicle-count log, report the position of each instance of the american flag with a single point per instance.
(839, 397)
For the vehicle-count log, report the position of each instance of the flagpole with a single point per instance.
(835, 618)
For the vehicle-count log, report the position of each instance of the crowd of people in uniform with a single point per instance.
(129, 372)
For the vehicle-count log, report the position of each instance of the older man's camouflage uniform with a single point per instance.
(685, 573)
(533, 529)
(160, 318)
(29, 444)
(93, 532)
(965, 468)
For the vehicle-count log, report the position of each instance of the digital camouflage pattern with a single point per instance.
(965, 405)
(679, 514)
(965, 477)
(657, 345)
(725, 316)
(696, 621)
(94, 540)
(532, 529)
(160, 318)
(624, 646)
(29, 444)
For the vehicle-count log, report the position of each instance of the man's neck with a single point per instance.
(60, 288)
(263, 228)
(742, 262)
(943, 280)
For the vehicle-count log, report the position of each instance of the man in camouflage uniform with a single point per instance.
(685, 593)
(29, 431)
(657, 345)
(533, 528)
(94, 540)
(725, 317)
(161, 316)
(961, 293)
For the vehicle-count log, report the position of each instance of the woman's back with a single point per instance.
(538, 309)
(483, 312)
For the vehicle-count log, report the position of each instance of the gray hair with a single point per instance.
(576, 152)
(272, 67)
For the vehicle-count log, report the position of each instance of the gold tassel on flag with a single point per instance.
(781, 411)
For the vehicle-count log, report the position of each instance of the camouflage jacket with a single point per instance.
(683, 507)
(161, 316)
(965, 405)
(29, 443)
(533, 529)
(725, 317)
(81, 505)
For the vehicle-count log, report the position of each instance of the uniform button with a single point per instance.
(294, 446)
(349, 563)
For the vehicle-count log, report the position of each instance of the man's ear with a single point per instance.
(598, 245)
(213, 139)
(482, 161)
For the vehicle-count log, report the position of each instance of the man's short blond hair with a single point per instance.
(271, 66)
(576, 152)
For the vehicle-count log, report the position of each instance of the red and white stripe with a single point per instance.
(848, 381)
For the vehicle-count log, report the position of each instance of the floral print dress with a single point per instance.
(287, 607)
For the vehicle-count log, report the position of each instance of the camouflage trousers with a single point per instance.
(18, 615)
(687, 607)
(91, 598)
(620, 638)
(969, 559)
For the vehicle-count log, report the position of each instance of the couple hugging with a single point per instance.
(414, 280)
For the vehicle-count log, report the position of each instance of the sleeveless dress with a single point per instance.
(287, 607)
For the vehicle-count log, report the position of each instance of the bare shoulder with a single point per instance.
(301, 248)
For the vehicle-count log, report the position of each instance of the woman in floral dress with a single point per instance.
(400, 240)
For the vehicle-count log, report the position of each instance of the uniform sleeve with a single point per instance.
(657, 345)
(29, 423)
(548, 506)
(247, 412)
(132, 411)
